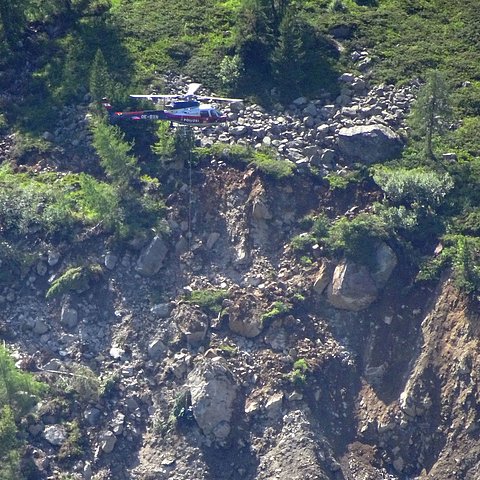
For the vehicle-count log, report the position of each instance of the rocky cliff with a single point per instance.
(214, 353)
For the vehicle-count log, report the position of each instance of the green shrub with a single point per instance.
(303, 242)
(74, 279)
(182, 409)
(72, 447)
(416, 186)
(277, 309)
(269, 163)
(209, 299)
(357, 238)
(113, 150)
(19, 392)
(462, 254)
(298, 376)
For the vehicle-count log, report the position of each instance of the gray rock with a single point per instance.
(323, 277)
(156, 349)
(213, 390)
(300, 101)
(296, 452)
(110, 261)
(55, 434)
(385, 262)
(260, 211)
(161, 310)
(273, 406)
(92, 416)
(40, 327)
(347, 78)
(212, 239)
(245, 316)
(152, 257)
(108, 441)
(69, 317)
(369, 143)
(192, 322)
(352, 287)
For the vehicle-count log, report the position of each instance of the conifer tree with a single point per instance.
(100, 79)
(113, 150)
(289, 56)
(431, 111)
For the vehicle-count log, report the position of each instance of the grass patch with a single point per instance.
(75, 279)
(209, 300)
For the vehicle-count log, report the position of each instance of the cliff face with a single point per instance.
(278, 381)
(215, 351)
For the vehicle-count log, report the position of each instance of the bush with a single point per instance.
(462, 254)
(209, 299)
(298, 375)
(357, 238)
(113, 150)
(416, 186)
(74, 279)
(18, 393)
(278, 308)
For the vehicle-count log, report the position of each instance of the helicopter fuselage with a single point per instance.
(186, 113)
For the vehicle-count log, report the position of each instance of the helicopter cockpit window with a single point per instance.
(204, 113)
(215, 113)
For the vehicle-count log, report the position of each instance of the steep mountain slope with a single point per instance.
(265, 301)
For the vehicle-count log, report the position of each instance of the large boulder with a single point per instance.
(369, 143)
(352, 287)
(213, 391)
(245, 316)
(297, 452)
(385, 262)
(192, 322)
(152, 257)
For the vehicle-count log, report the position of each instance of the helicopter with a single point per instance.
(185, 109)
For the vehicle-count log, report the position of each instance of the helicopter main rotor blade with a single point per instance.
(222, 99)
(192, 88)
(154, 96)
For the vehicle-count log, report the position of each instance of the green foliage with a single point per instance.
(462, 254)
(303, 242)
(466, 136)
(264, 159)
(268, 163)
(74, 279)
(288, 57)
(99, 202)
(416, 186)
(357, 238)
(277, 309)
(230, 71)
(209, 299)
(72, 447)
(83, 383)
(342, 180)
(165, 145)
(18, 389)
(18, 394)
(113, 150)
(298, 376)
(13, 21)
(182, 409)
(101, 84)
(431, 110)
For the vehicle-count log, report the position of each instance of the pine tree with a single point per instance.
(431, 110)
(113, 150)
(100, 80)
(289, 56)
